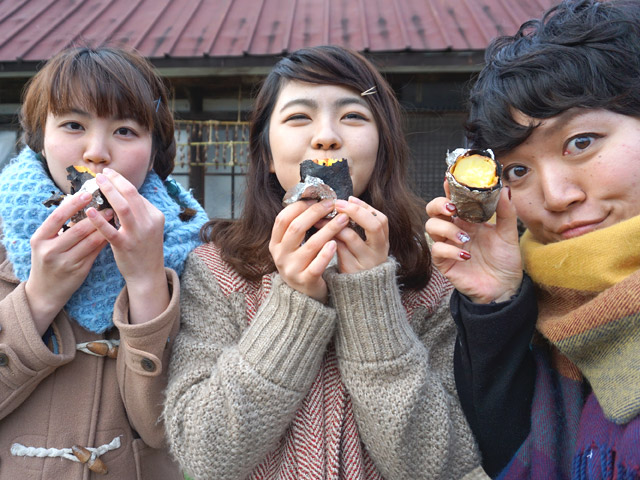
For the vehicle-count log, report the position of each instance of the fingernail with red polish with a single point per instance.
(509, 191)
(451, 207)
(465, 255)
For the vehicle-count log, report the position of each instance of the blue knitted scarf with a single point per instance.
(25, 184)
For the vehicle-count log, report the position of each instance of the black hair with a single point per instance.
(580, 54)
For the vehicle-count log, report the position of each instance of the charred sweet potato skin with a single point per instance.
(475, 187)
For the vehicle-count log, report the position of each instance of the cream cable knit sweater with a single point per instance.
(235, 387)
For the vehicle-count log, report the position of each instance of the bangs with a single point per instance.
(328, 65)
(103, 85)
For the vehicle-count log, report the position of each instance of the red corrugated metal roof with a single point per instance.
(32, 30)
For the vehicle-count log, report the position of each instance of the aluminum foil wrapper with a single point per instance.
(81, 182)
(313, 188)
(474, 205)
(321, 182)
(336, 175)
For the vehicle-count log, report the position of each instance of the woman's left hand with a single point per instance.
(137, 245)
(354, 253)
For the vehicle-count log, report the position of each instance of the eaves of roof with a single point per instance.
(223, 37)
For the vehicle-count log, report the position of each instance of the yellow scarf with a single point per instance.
(588, 291)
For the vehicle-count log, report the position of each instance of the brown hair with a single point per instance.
(245, 242)
(109, 82)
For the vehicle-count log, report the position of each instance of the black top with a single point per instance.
(495, 371)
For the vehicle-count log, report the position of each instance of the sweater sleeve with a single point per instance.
(143, 360)
(400, 377)
(495, 371)
(235, 387)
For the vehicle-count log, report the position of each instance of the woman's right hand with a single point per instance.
(482, 260)
(301, 265)
(60, 263)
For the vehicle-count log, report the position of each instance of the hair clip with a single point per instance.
(370, 91)
(157, 102)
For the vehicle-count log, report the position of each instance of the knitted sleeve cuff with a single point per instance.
(372, 324)
(288, 337)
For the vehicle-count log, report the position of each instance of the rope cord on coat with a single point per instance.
(88, 455)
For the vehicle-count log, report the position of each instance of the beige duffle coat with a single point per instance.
(50, 402)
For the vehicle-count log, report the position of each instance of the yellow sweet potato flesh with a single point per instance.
(327, 162)
(475, 171)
